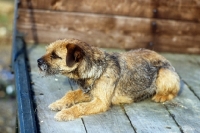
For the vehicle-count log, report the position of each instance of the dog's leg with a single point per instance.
(70, 99)
(101, 101)
(95, 106)
(168, 85)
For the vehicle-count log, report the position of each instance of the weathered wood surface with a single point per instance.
(110, 31)
(185, 110)
(164, 9)
(180, 115)
(150, 117)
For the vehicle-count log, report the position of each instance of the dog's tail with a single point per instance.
(168, 85)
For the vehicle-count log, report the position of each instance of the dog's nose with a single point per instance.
(40, 61)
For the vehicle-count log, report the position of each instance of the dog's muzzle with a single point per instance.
(42, 64)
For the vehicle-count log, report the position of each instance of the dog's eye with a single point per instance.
(55, 56)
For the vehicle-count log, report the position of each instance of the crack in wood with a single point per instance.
(174, 118)
(123, 109)
(190, 88)
(84, 125)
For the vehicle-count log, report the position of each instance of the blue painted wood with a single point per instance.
(26, 114)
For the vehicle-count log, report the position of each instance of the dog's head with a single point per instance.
(73, 58)
(62, 56)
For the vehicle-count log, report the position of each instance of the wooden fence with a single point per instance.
(161, 25)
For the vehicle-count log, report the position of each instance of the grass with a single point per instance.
(6, 21)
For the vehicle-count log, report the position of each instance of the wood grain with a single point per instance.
(106, 23)
(151, 117)
(185, 109)
(112, 121)
(170, 9)
(111, 31)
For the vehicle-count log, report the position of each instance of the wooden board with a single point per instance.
(179, 115)
(48, 91)
(110, 122)
(110, 31)
(185, 110)
(106, 23)
(170, 9)
(151, 117)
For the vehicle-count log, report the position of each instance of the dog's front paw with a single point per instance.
(61, 104)
(65, 115)
(57, 106)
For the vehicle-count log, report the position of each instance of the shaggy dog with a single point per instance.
(106, 78)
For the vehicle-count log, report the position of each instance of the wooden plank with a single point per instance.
(151, 117)
(185, 110)
(106, 23)
(175, 44)
(112, 121)
(111, 31)
(177, 10)
(47, 90)
(188, 67)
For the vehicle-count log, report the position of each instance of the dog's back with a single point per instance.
(144, 73)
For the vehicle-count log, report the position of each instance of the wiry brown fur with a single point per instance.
(106, 78)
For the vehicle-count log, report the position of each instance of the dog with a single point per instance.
(106, 79)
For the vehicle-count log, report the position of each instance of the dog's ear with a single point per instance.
(74, 54)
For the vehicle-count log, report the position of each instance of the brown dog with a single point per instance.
(106, 78)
